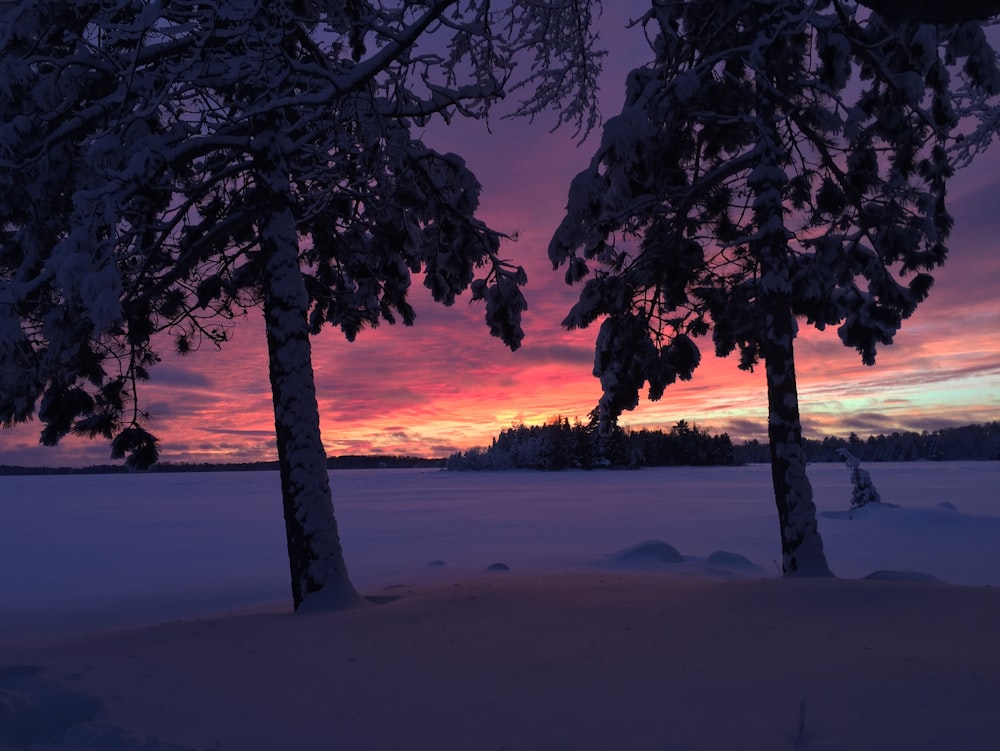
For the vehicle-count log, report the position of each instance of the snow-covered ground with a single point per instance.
(569, 648)
(107, 550)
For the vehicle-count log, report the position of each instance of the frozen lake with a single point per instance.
(89, 551)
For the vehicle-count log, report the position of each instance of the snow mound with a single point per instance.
(34, 710)
(731, 560)
(648, 552)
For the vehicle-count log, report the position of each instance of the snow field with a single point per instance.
(634, 610)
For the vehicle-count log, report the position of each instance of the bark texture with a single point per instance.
(316, 557)
(801, 544)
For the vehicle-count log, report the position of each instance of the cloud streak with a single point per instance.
(445, 384)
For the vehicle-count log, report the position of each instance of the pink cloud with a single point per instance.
(445, 384)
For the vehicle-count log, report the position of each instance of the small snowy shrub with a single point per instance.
(863, 491)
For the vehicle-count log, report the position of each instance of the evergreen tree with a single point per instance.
(558, 445)
(166, 166)
(780, 161)
(863, 489)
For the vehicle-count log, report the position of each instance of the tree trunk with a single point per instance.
(801, 545)
(319, 575)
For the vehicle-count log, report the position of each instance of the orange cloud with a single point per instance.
(445, 384)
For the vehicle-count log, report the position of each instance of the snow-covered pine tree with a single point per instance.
(778, 162)
(863, 490)
(166, 166)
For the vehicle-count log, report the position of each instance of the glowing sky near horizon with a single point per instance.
(445, 385)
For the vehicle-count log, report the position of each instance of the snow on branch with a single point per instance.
(810, 132)
(139, 143)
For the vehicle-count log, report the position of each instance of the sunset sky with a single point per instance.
(445, 384)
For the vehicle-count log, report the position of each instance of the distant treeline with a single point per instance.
(560, 445)
(969, 442)
(333, 462)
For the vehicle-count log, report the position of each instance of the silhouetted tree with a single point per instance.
(780, 161)
(558, 445)
(166, 166)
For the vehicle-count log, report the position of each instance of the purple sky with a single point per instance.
(445, 384)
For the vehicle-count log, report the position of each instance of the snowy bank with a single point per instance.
(98, 552)
(556, 661)
(634, 610)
